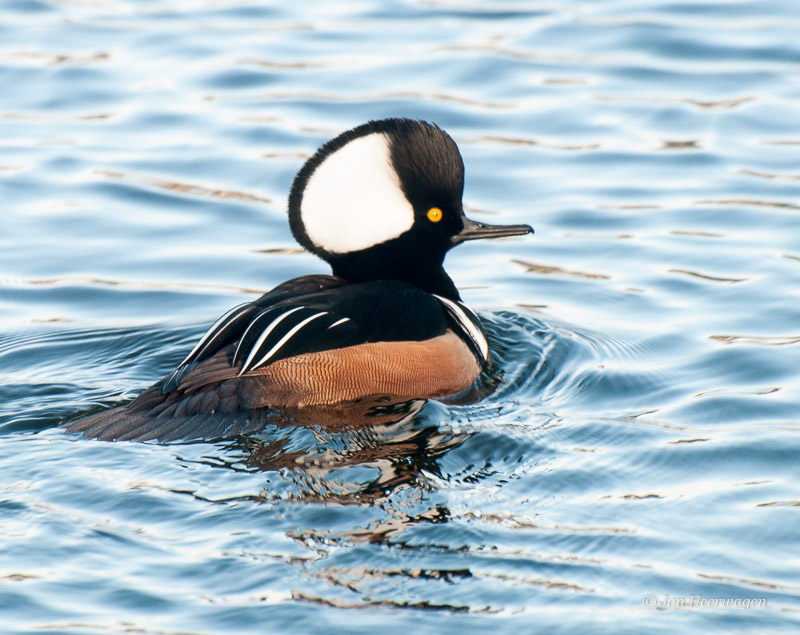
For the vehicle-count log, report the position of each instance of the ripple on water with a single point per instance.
(636, 432)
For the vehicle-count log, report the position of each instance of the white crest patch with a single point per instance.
(353, 199)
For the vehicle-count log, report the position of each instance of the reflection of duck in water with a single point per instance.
(382, 205)
(327, 453)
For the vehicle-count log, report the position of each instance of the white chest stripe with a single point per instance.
(459, 312)
(280, 343)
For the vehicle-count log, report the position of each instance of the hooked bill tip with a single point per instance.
(474, 230)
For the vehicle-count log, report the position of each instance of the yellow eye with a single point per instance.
(434, 214)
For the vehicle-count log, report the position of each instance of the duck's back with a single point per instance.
(312, 341)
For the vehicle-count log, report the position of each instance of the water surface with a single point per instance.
(633, 465)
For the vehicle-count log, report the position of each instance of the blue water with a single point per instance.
(633, 463)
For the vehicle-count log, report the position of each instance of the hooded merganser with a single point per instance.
(381, 203)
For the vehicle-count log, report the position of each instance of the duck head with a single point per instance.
(383, 202)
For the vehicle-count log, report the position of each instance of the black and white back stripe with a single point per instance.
(469, 324)
(259, 336)
(263, 343)
(264, 335)
(224, 330)
(264, 324)
(217, 331)
(279, 330)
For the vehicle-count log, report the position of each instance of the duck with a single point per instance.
(382, 204)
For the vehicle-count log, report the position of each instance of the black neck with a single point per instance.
(433, 279)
